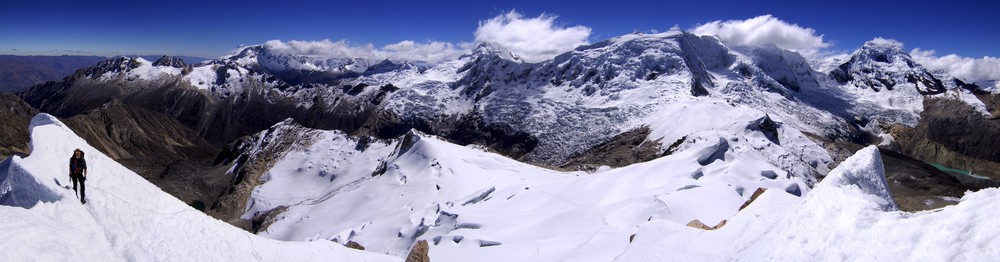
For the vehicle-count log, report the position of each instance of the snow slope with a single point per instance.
(471, 204)
(849, 216)
(126, 218)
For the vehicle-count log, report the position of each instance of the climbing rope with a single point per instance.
(251, 244)
(135, 205)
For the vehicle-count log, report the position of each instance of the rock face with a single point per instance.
(15, 115)
(170, 61)
(145, 141)
(249, 157)
(952, 133)
(155, 146)
(625, 149)
(419, 252)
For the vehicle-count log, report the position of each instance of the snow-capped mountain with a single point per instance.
(674, 83)
(468, 203)
(461, 154)
(890, 87)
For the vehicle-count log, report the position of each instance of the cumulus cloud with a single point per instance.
(965, 68)
(885, 42)
(432, 52)
(765, 30)
(533, 39)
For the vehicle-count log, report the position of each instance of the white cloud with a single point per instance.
(765, 30)
(885, 42)
(533, 39)
(965, 68)
(432, 52)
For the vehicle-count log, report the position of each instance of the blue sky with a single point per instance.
(210, 29)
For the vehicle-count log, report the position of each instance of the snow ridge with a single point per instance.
(847, 216)
(126, 218)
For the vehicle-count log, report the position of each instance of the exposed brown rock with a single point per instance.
(419, 252)
(354, 245)
(250, 165)
(992, 102)
(624, 149)
(15, 115)
(698, 224)
(143, 140)
(753, 197)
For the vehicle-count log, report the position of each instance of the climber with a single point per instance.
(78, 171)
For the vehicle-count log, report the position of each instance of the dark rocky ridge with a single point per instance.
(145, 141)
(152, 144)
(625, 149)
(222, 120)
(15, 115)
(248, 162)
(170, 61)
(155, 146)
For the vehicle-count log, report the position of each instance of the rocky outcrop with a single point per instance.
(170, 61)
(15, 115)
(624, 149)
(249, 157)
(419, 252)
(354, 245)
(756, 193)
(992, 102)
(699, 225)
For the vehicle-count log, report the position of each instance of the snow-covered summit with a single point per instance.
(125, 219)
(487, 49)
(883, 65)
(170, 61)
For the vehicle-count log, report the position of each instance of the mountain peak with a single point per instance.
(114, 64)
(170, 61)
(493, 49)
(882, 64)
(883, 43)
